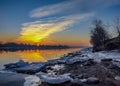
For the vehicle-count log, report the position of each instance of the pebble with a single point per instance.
(117, 78)
(92, 80)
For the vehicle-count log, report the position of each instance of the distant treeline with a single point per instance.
(15, 47)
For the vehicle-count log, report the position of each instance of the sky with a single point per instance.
(53, 22)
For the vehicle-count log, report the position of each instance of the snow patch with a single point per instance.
(57, 67)
(54, 79)
(32, 81)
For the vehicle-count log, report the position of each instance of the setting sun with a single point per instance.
(36, 32)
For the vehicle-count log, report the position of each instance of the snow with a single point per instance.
(57, 67)
(54, 79)
(97, 56)
(32, 80)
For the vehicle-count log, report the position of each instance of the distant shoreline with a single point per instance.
(16, 47)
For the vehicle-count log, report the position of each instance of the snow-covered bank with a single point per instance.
(81, 67)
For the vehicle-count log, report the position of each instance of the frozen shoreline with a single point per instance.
(63, 70)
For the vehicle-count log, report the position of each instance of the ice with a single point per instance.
(32, 80)
(54, 79)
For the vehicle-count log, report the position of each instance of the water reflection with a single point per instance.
(32, 55)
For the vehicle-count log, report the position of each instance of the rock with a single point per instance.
(74, 60)
(18, 64)
(89, 62)
(32, 81)
(54, 79)
(116, 63)
(79, 82)
(92, 80)
(117, 78)
(106, 59)
(83, 80)
(76, 76)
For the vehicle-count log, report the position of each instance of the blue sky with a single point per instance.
(53, 21)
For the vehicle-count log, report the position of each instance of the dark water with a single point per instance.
(32, 55)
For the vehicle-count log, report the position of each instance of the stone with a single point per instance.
(117, 78)
(106, 59)
(89, 62)
(78, 82)
(92, 80)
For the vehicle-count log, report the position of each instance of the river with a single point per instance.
(33, 55)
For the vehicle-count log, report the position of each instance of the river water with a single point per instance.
(33, 55)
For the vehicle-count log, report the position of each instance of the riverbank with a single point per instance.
(81, 68)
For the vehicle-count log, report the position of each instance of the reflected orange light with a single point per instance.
(32, 56)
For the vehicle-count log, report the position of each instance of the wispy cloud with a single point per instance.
(52, 9)
(35, 32)
(71, 7)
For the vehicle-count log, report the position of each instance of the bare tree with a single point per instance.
(117, 26)
(98, 34)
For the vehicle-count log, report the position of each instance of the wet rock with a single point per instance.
(89, 62)
(116, 63)
(76, 76)
(106, 59)
(92, 80)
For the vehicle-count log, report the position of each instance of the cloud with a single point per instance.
(51, 9)
(35, 32)
(72, 7)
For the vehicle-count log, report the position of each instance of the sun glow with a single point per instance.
(36, 32)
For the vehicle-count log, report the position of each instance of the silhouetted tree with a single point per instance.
(98, 35)
(117, 26)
